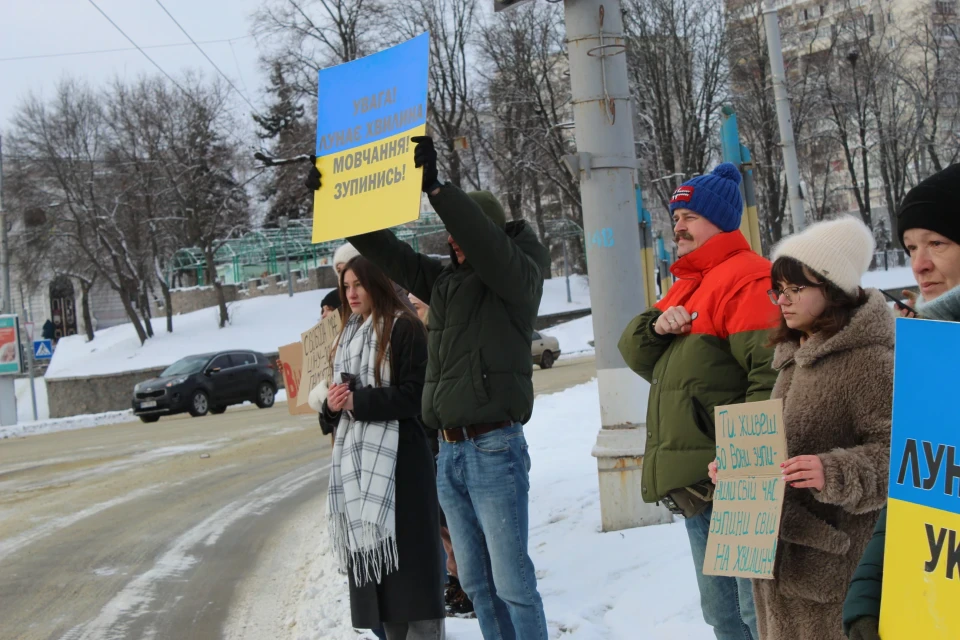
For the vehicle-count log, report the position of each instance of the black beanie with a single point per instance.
(934, 204)
(331, 300)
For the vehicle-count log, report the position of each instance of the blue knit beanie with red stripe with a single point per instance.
(715, 196)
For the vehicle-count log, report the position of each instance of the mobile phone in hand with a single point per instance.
(899, 304)
(348, 379)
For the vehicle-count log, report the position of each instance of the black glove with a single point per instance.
(425, 155)
(313, 178)
(865, 628)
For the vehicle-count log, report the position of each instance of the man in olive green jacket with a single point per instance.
(703, 346)
(479, 388)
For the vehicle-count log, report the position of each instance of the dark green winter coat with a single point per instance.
(482, 313)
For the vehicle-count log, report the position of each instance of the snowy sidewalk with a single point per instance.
(620, 586)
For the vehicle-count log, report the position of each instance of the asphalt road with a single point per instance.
(138, 531)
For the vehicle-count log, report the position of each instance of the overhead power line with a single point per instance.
(139, 48)
(154, 63)
(66, 54)
(200, 49)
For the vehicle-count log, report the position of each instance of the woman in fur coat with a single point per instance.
(834, 355)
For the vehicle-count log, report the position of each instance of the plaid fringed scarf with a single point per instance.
(361, 501)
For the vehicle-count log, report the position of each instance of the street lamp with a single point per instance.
(284, 222)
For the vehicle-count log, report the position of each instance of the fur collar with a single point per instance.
(945, 307)
(872, 324)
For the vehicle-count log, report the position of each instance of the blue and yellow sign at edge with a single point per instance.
(367, 111)
(921, 573)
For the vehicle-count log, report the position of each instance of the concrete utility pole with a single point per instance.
(790, 164)
(606, 162)
(4, 245)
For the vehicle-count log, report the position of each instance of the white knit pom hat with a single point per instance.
(344, 254)
(840, 250)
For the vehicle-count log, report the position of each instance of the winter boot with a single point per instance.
(457, 603)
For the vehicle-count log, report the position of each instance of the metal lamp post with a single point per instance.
(284, 223)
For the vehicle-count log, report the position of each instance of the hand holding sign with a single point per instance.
(425, 155)
(804, 472)
(312, 181)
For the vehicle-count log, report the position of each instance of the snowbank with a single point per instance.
(62, 424)
(555, 295)
(25, 402)
(574, 336)
(623, 585)
(898, 278)
(261, 324)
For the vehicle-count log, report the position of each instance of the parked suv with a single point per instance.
(544, 349)
(207, 383)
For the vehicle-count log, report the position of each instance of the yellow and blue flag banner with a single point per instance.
(921, 571)
(367, 111)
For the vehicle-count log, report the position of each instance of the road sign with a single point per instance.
(42, 349)
(9, 346)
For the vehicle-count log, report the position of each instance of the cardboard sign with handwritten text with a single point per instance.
(748, 500)
(291, 366)
(318, 345)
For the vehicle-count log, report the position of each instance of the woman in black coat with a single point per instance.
(381, 362)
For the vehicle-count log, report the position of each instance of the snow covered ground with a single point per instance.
(261, 324)
(25, 402)
(623, 585)
(898, 278)
(27, 427)
(555, 295)
(575, 337)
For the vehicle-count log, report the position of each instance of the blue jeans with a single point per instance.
(483, 487)
(727, 603)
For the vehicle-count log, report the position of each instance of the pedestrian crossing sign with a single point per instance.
(42, 349)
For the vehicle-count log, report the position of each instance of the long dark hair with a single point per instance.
(387, 305)
(841, 306)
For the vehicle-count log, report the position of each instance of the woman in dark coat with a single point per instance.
(930, 232)
(382, 502)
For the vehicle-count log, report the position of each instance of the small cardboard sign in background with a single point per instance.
(291, 366)
(318, 345)
(748, 499)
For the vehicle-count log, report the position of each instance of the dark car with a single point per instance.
(209, 382)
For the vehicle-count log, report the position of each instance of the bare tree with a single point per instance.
(934, 76)
(198, 165)
(678, 70)
(304, 36)
(524, 117)
(66, 145)
(452, 25)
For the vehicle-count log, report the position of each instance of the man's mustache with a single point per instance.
(682, 235)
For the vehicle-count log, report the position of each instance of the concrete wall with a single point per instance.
(194, 299)
(96, 394)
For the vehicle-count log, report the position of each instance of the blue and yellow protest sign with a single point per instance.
(367, 111)
(748, 499)
(921, 568)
